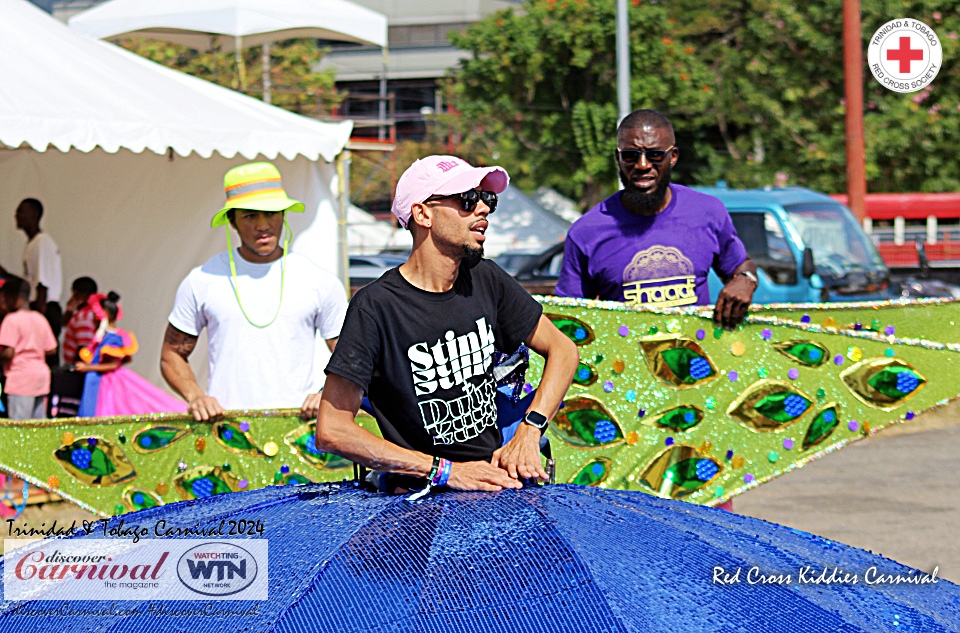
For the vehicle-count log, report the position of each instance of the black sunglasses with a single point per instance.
(630, 156)
(470, 198)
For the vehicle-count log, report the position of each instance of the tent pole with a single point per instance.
(343, 178)
(238, 58)
(265, 66)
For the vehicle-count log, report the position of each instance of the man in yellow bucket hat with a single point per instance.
(262, 307)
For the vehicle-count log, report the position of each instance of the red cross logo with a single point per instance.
(905, 55)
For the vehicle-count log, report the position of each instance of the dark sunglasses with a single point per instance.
(470, 198)
(630, 156)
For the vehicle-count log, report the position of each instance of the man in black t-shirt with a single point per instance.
(420, 341)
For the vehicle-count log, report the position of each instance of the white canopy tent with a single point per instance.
(196, 23)
(235, 24)
(522, 223)
(366, 235)
(76, 119)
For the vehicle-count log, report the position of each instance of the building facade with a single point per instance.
(419, 54)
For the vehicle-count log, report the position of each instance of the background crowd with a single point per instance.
(76, 352)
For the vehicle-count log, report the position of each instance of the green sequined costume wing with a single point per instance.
(666, 403)
(115, 465)
(661, 402)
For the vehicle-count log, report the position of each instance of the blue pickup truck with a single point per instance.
(807, 246)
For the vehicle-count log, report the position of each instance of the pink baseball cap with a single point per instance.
(442, 176)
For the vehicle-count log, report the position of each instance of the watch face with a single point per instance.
(536, 419)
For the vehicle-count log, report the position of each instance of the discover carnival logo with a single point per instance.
(107, 569)
(905, 55)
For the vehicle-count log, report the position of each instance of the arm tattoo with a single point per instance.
(181, 342)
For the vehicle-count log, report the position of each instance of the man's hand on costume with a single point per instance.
(480, 476)
(311, 406)
(205, 408)
(520, 457)
(733, 302)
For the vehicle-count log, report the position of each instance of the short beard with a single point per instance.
(470, 257)
(642, 203)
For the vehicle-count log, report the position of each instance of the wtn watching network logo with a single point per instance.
(217, 569)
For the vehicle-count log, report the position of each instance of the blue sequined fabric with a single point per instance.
(510, 371)
(547, 559)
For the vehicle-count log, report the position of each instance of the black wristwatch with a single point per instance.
(537, 420)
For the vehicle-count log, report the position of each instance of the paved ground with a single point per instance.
(896, 494)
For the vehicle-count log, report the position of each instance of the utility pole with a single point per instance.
(623, 61)
(382, 109)
(853, 93)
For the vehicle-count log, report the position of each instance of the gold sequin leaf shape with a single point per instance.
(95, 461)
(228, 434)
(575, 329)
(303, 441)
(584, 422)
(677, 361)
(769, 405)
(204, 481)
(681, 418)
(822, 426)
(678, 471)
(804, 352)
(593, 472)
(885, 383)
(585, 375)
(152, 438)
(293, 479)
(139, 499)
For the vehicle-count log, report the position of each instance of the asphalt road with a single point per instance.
(896, 494)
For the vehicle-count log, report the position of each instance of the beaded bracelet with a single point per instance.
(438, 479)
(445, 472)
(436, 475)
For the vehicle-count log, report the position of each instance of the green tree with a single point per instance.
(542, 83)
(778, 112)
(754, 89)
(295, 85)
(912, 138)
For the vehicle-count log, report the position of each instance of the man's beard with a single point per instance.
(641, 202)
(470, 257)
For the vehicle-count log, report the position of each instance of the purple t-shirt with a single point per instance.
(661, 260)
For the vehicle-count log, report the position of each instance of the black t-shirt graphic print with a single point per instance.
(425, 359)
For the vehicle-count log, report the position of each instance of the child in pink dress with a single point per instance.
(25, 340)
(109, 388)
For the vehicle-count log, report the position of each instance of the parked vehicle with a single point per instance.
(366, 268)
(537, 271)
(807, 246)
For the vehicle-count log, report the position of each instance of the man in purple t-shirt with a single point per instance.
(654, 242)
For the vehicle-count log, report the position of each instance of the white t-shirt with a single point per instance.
(41, 265)
(269, 367)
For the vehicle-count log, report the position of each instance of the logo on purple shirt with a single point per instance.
(660, 275)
